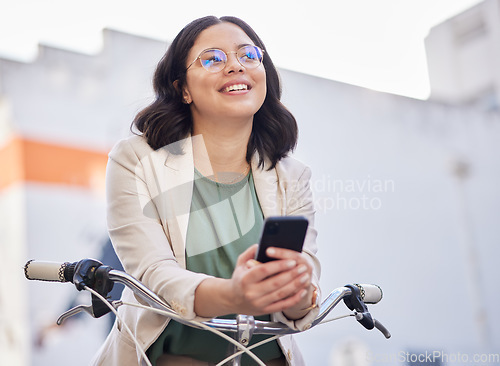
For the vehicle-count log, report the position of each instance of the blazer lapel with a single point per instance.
(177, 180)
(267, 188)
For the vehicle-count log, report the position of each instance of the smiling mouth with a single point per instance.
(236, 87)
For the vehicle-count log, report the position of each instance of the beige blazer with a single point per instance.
(149, 196)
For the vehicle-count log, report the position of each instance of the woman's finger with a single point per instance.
(279, 286)
(247, 255)
(285, 303)
(261, 271)
(282, 253)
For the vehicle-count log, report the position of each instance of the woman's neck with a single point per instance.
(223, 147)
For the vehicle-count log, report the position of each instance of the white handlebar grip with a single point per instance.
(45, 271)
(370, 294)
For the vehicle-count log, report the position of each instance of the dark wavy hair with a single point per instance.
(168, 120)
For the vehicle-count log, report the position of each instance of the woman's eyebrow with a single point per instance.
(238, 46)
(223, 48)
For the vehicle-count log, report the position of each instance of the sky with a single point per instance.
(377, 44)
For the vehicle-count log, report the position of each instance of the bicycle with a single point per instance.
(91, 275)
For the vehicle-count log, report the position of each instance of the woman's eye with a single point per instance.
(250, 56)
(212, 61)
(212, 58)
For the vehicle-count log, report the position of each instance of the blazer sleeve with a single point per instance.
(139, 238)
(298, 201)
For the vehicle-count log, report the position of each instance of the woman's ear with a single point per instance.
(186, 97)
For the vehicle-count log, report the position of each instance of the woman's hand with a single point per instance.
(280, 285)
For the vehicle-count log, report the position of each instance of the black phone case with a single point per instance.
(284, 232)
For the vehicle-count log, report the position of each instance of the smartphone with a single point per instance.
(286, 232)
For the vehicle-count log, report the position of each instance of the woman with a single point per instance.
(187, 199)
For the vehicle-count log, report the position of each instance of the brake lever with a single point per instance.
(73, 311)
(366, 317)
(96, 310)
(383, 329)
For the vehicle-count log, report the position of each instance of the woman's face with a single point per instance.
(210, 94)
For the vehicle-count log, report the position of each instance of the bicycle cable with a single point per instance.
(229, 358)
(242, 348)
(206, 327)
(258, 344)
(104, 300)
(336, 318)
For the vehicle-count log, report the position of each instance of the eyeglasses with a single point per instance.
(214, 60)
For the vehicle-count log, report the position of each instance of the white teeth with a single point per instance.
(236, 87)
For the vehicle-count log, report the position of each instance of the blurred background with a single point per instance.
(398, 105)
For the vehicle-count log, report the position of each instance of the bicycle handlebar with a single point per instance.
(92, 273)
(64, 272)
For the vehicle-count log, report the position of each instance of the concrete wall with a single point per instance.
(463, 57)
(392, 210)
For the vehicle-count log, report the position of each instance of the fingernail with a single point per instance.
(271, 251)
(302, 268)
(291, 263)
(304, 293)
(304, 278)
(252, 263)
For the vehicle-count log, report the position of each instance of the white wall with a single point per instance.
(463, 54)
(410, 238)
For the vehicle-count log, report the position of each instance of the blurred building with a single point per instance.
(406, 191)
(59, 117)
(463, 55)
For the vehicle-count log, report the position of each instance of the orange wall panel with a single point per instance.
(36, 161)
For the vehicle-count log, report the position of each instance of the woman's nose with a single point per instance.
(233, 64)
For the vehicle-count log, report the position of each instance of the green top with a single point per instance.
(225, 219)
